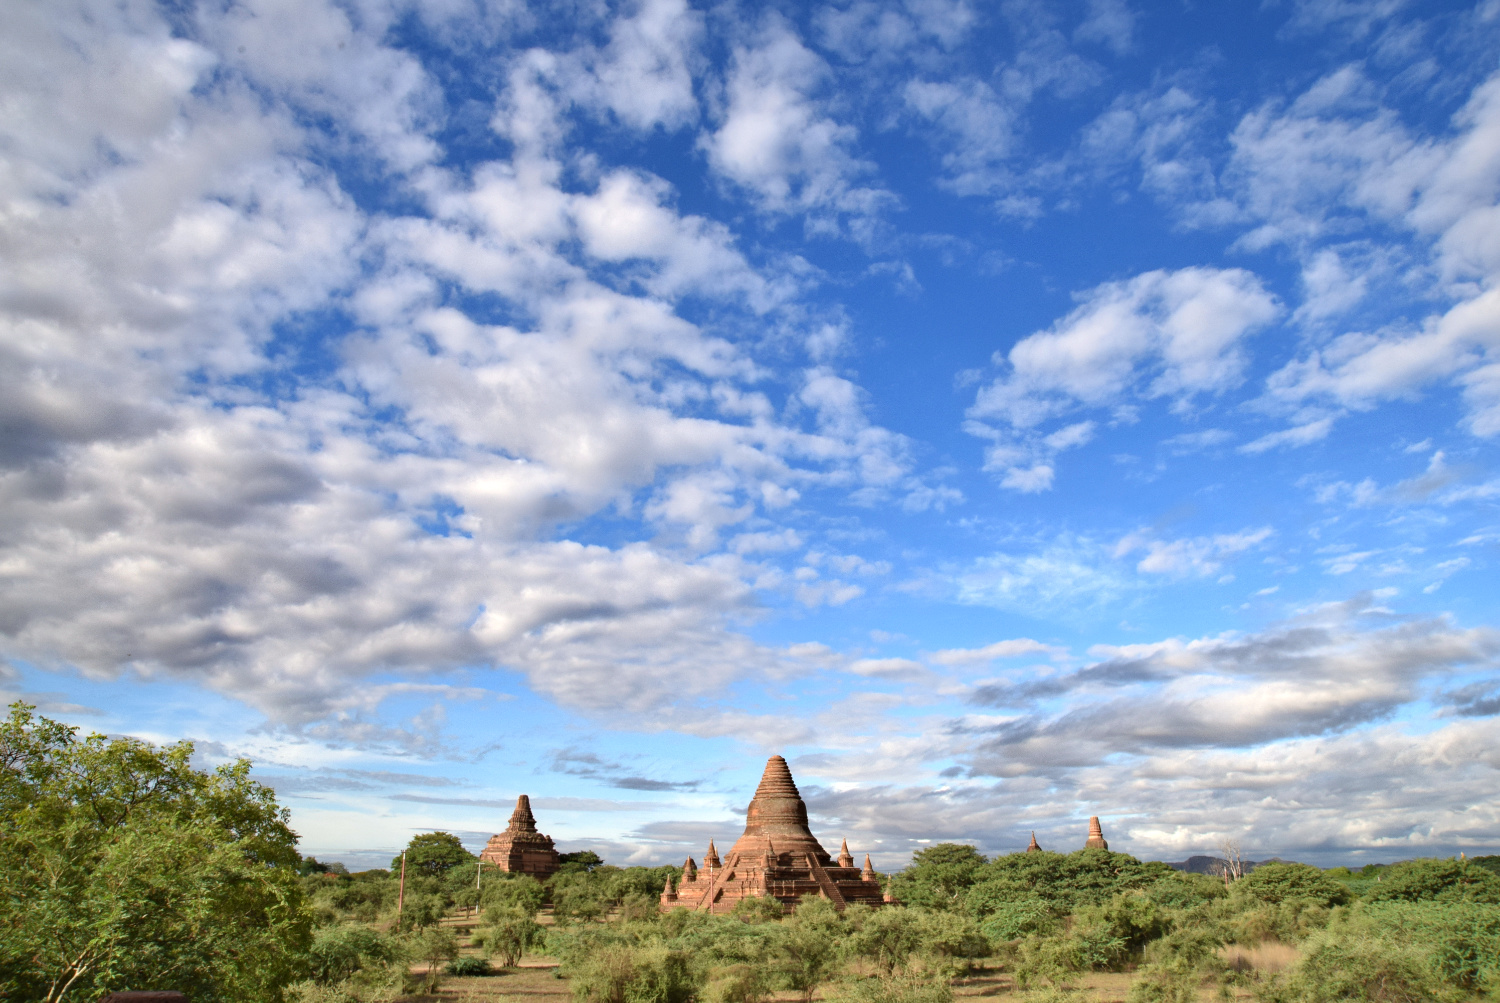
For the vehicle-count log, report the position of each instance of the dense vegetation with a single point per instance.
(123, 867)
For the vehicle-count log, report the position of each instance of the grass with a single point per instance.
(1269, 957)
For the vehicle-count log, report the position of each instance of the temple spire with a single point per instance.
(868, 874)
(1096, 835)
(711, 858)
(1033, 846)
(846, 859)
(521, 820)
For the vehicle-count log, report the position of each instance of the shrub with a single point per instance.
(759, 909)
(887, 937)
(340, 951)
(938, 876)
(1283, 882)
(1436, 881)
(520, 892)
(1343, 967)
(1020, 918)
(507, 934)
(951, 941)
(620, 973)
(468, 966)
(903, 989)
(1169, 983)
(739, 983)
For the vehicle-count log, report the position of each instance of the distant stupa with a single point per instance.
(1033, 846)
(777, 856)
(1096, 836)
(520, 847)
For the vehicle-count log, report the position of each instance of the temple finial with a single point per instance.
(846, 859)
(1096, 835)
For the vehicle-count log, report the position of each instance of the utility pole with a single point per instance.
(478, 873)
(401, 892)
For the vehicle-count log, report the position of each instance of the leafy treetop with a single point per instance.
(433, 854)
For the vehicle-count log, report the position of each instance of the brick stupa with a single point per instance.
(1096, 836)
(776, 857)
(520, 847)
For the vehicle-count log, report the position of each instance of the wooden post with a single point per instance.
(478, 874)
(401, 892)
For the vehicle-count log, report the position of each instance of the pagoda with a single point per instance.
(777, 856)
(520, 848)
(1096, 836)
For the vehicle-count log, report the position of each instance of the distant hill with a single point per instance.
(1212, 865)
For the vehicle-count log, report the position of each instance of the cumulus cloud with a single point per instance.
(1325, 672)
(1176, 335)
(778, 139)
(1337, 161)
(187, 499)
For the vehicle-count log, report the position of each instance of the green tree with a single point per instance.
(432, 854)
(435, 946)
(581, 860)
(938, 876)
(123, 867)
(516, 891)
(1436, 881)
(507, 933)
(1284, 882)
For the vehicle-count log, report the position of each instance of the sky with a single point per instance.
(1009, 412)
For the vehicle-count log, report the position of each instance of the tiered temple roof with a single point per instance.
(520, 847)
(777, 856)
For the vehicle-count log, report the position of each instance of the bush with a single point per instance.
(340, 951)
(888, 937)
(1436, 881)
(1021, 918)
(507, 934)
(938, 876)
(468, 966)
(520, 892)
(907, 989)
(1282, 882)
(1342, 967)
(1169, 983)
(620, 973)
(1461, 939)
(739, 983)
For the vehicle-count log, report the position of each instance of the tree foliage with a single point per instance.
(433, 854)
(1436, 881)
(1280, 882)
(124, 867)
(938, 876)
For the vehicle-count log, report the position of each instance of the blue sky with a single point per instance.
(1009, 412)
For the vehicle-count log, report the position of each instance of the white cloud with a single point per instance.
(645, 73)
(1162, 334)
(991, 652)
(1200, 556)
(1070, 573)
(778, 139)
(1109, 22)
(1299, 435)
(183, 501)
(1337, 162)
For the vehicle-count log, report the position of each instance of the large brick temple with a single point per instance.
(520, 847)
(776, 856)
